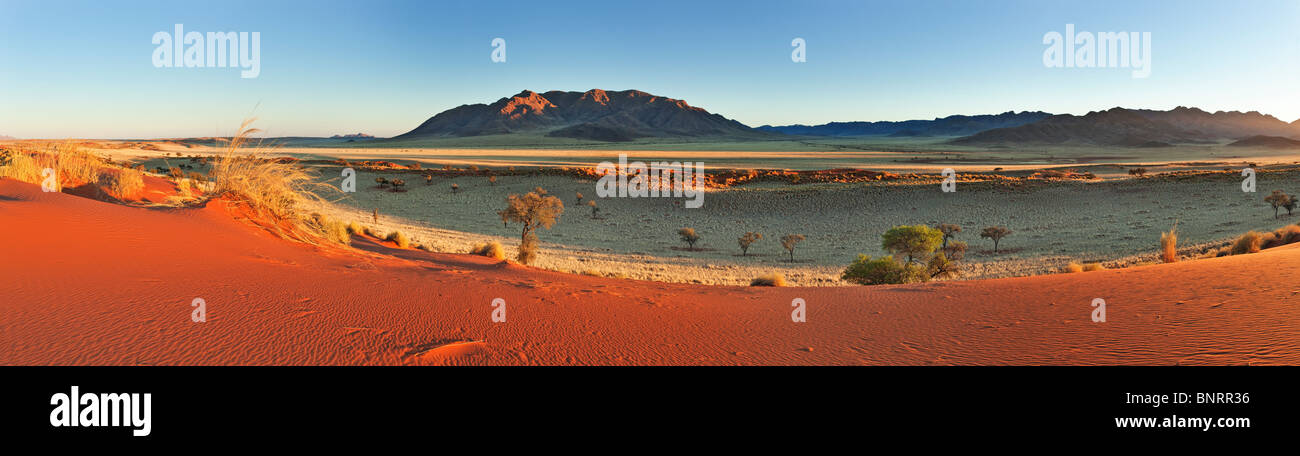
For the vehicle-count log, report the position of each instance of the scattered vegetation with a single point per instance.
(534, 210)
(917, 255)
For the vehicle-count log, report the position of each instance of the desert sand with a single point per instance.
(89, 282)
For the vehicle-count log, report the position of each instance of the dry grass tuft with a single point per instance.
(355, 228)
(76, 166)
(399, 238)
(1169, 245)
(333, 230)
(22, 165)
(490, 249)
(769, 280)
(273, 189)
(122, 184)
(1247, 243)
(1285, 235)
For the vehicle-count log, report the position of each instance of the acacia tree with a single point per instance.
(789, 241)
(689, 237)
(1279, 199)
(914, 241)
(748, 239)
(949, 231)
(996, 233)
(534, 211)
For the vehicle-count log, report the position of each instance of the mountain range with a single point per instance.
(1138, 128)
(616, 116)
(957, 125)
(595, 114)
(353, 136)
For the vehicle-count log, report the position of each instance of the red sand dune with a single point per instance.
(88, 282)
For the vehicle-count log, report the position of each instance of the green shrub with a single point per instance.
(883, 270)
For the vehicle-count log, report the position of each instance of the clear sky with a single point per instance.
(84, 69)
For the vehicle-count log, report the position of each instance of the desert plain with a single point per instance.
(88, 281)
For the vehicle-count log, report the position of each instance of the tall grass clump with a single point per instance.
(768, 280)
(399, 238)
(1169, 245)
(21, 165)
(72, 165)
(271, 188)
(274, 190)
(1285, 235)
(76, 166)
(355, 228)
(1247, 243)
(331, 229)
(122, 184)
(489, 249)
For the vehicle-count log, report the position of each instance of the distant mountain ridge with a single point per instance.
(1138, 128)
(1273, 142)
(955, 125)
(595, 114)
(353, 136)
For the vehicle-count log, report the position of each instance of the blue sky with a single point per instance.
(83, 69)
